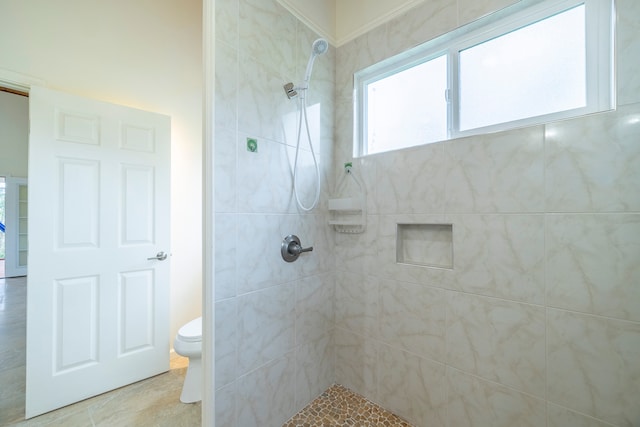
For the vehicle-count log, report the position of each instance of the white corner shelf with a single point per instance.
(349, 214)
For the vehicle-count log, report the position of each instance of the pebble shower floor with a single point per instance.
(339, 406)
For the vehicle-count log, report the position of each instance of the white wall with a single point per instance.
(144, 54)
(14, 127)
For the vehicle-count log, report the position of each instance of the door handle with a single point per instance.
(160, 256)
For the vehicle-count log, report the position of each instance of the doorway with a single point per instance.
(14, 135)
(2, 226)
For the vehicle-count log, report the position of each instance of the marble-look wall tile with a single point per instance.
(628, 51)
(227, 21)
(266, 326)
(470, 10)
(344, 130)
(593, 366)
(314, 307)
(497, 340)
(315, 369)
(502, 172)
(422, 190)
(266, 396)
(258, 256)
(225, 170)
(313, 231)
(412, 317)
(356, 363)
(267, 35)
(593, 163)
(264, 178)
(558, 416)
(356, 303)
(358, 54)
(500, 256)
(226, 406)
(412, 387)
(225, 252)
(264, 105)
(473, 402)
(367, 168)
(259, 47)
(226, 81)
(226, 341)
(506, 266)
(357, 253)
(592, 264)
(420, 24)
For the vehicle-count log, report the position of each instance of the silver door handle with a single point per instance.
(160, 256)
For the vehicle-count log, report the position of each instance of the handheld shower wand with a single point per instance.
(318, 47)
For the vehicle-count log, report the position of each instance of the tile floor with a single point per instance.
(339, 406)
(152, 402)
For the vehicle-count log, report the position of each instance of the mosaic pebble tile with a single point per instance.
(339, 406)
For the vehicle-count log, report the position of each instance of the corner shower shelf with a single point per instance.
(346, 204)
(348, 214)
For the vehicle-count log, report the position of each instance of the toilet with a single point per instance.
(188, 343)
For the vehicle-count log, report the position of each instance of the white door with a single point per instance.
(97, 307)
(16, 248)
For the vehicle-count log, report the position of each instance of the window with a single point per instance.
(546, 62)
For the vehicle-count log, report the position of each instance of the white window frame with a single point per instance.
(599, 20)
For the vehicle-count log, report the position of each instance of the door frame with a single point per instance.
(208, 214)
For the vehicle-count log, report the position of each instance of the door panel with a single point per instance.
(136, 311)
(75, 318)
(97, 307)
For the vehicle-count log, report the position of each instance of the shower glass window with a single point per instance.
(527, 64)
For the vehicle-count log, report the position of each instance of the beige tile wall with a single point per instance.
(274, 320)
(538, 323)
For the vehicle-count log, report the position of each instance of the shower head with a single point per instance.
(318, 47)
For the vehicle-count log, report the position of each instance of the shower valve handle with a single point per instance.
(296, 249)
(291, 248)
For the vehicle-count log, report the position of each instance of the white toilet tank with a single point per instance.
(192, 331)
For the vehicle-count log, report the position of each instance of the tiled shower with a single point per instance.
(536, 322)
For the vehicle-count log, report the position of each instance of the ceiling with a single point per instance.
(340, 21)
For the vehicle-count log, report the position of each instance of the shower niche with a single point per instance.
(426, 245)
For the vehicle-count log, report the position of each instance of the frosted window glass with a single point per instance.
(535, 70)
(408, 108)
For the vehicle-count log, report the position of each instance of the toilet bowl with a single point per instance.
(188, 343)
